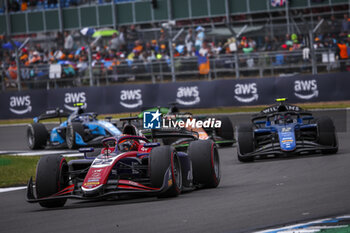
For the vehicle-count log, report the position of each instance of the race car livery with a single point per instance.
(283, 129)
(79, 130)
(128, 164)
(223, 136)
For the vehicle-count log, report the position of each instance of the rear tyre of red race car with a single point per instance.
(37, 136)
(72, 128)
(245, 142)
(205, 163)
(51, 177)
(162, 158)
(225, 131)
(327, 135)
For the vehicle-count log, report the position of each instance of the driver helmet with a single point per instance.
(127, 145)
(80, 111)
(288, 118)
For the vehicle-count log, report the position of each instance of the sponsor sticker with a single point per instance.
(131, 98)
(246, 93)
(72, 98)
(188, 95)
(91, 183)
(20, 105)
(306, 89)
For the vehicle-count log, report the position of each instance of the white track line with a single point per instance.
(3, 190)
(309, 226)
(35, 153)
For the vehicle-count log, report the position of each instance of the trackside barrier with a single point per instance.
(200, 94)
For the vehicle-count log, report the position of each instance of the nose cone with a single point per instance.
(287, 138)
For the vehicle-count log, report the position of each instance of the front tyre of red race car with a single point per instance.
(161, 158)
(51, 177)
(37, 136)
(205, 163)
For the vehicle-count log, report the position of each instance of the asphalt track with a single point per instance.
(252, 196)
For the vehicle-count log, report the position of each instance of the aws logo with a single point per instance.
(246, 93)
(188, 95)
(131, 98)
(20, 104)
(305, 89)
(72, 98)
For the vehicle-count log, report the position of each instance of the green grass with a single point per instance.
(16, 170)
(221, 110)
(337, 230)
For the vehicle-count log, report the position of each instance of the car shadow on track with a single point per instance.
(288, 157)
(114, 201)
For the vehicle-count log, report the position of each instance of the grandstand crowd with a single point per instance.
(24, 5)
(127, 48)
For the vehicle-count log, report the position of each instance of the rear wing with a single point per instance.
(54, 113)
(129, 119)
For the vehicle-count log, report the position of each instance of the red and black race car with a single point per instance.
(128, 164)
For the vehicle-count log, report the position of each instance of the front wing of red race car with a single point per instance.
(111, 188)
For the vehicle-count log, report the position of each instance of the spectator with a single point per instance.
(345, 25)
(251, 43)
(11, 75)
(205, 49)
(268, 45)
(68, 42)
(33, 3)
(131, 36)
(163, 38)
(24, 5)
(121, 36)
(333, 25)
(13, 5)
(199, 37)
(243, 43)
(343, 55)
(35, 59)
(189, 40)
(114, 43)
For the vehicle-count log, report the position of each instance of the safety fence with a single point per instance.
(233, 65)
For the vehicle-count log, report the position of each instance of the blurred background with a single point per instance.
(47, 44)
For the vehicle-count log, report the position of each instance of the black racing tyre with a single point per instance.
(327, 135)
(205, 163)
(72, 128)
(225, 131)
(162, 158)
(169, 141)
(37, 136)
(51, 177)
(245, 142)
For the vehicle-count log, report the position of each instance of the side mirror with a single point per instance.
(108, 118)
(151, 144)
(86, 150)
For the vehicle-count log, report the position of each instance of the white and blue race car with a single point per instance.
(283, 129)
(79, 130)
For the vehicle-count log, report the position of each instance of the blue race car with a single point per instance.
(284, 129)
(79, 130)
